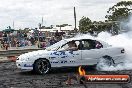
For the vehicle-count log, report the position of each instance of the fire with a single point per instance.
(81, 71)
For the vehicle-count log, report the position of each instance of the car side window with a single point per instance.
(88, 44)
(66, 46)
(98, 45)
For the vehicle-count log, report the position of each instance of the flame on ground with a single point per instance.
(81, 71)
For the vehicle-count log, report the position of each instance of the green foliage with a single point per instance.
(84, 24)
(25, 30)
(120, 11)
(62, 25)
(117, 13)
(99, 26)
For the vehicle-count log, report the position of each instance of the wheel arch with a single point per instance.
(106, 56)
(105, 59)
(36, 70)
(109, 57)
(42, 58)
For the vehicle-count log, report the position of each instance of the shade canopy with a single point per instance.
(8, 30)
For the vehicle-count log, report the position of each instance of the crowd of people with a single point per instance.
(24, 39)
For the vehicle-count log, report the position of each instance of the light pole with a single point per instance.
(38, 37)
(75, 19)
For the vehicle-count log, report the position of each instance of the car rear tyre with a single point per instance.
(105, 61)
(42, 66)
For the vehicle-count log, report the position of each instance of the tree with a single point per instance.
(117, 13)
(120, 11)
(99, 26)
(84, 24)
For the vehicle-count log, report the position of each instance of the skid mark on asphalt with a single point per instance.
(10, 76)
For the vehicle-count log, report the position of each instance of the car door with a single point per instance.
(69, 57)
(90, 54)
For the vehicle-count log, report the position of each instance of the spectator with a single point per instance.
(29, 43)
(6, 45)
(0, 44)
(37, 43)
(52, 41)
(25, 35)
(58, 36)
(43, 44)
(5, 37)
(17, 43)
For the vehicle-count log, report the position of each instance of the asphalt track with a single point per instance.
(11, 77)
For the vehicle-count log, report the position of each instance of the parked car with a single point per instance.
(89, 52)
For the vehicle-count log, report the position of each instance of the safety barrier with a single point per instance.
(7, 53)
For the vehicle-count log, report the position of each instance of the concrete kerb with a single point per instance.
(7, 59)
(4, 59)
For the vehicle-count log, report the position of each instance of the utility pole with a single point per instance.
(42, 21)
(13, 25)
(38, 42)
(75, 20)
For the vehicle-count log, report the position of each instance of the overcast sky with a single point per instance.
(28, 13)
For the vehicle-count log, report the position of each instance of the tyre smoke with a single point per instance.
(121, 40)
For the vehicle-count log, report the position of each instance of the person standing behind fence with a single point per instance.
(6, 45)
(17, 43)
(58, 35)
(0, 44)
(52, 41)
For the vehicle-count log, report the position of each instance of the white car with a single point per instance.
(89, 53)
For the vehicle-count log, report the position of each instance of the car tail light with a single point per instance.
(123, 51)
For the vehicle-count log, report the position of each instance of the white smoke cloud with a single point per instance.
(121, 40)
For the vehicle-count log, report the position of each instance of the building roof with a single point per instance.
(66, 28)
